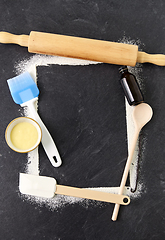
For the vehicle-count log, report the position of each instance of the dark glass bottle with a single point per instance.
(130, 86)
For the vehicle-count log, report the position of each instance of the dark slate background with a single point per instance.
(101, 150)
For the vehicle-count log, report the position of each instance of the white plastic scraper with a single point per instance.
(47, 187)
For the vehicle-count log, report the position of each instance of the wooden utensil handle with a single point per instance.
(21, 40)
(92, 194)
(158, 59)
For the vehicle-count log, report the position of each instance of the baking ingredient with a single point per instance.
(24, 135)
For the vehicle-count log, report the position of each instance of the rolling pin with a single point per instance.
(82, 48)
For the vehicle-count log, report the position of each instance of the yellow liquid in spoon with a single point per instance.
(24, 135)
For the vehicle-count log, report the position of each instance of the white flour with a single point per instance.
(32, 166)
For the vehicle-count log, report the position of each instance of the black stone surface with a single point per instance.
(83, 107)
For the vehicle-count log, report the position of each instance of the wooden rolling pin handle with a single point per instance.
(21, 40)
(158, 59)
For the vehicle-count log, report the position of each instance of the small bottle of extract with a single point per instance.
(130, 86)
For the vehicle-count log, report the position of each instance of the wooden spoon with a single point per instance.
(142, 114)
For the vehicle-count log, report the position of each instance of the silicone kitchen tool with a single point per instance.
(47, 187)
(142, 114)
(25, 92)
(84, 48)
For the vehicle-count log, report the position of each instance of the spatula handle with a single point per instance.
(47, 141)
(92, 194)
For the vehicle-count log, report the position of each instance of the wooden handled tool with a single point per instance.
(83, 48)
(142, 114)
(47, 187)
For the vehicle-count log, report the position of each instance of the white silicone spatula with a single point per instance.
(142, 114)
(47, 187)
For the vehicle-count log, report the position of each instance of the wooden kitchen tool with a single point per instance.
(142, 114)
(47, 187)
(83, 48)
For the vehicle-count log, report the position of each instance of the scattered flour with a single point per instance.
(32, 166)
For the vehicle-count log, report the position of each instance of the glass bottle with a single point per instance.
(131, 87)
